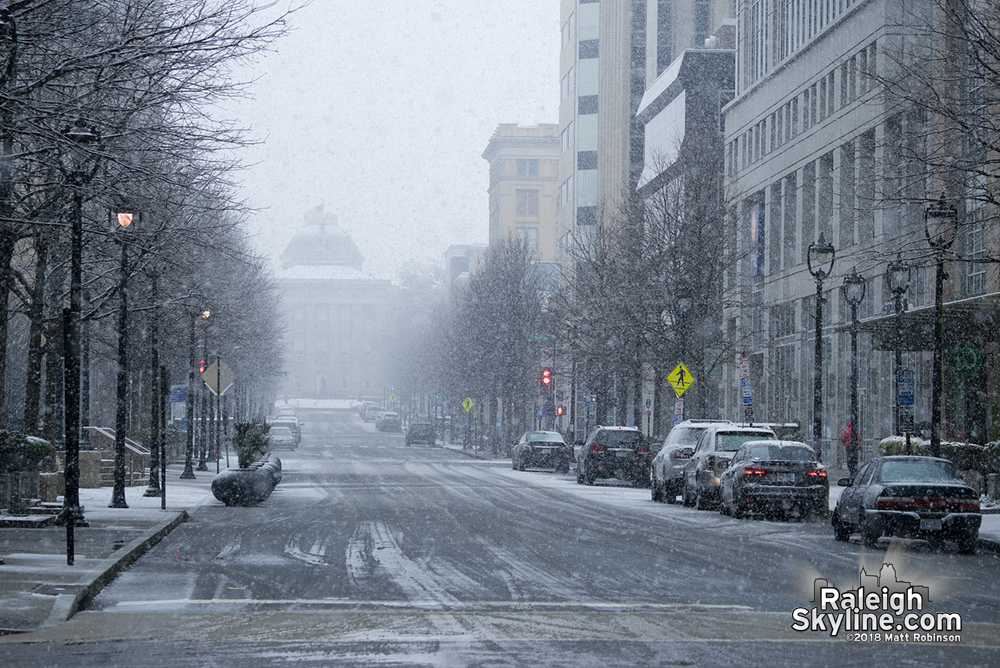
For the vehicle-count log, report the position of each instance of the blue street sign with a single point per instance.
(905, 380)
(178, 394)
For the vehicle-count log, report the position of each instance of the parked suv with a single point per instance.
(421, 432)
(666, 472)
(613, 452)
(716, 447)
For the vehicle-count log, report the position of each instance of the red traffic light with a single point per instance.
(546, 377)
(201, 367)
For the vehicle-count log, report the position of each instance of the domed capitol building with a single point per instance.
(333, 314)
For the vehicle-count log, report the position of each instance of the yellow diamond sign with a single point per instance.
(680, 379)
(468, 404)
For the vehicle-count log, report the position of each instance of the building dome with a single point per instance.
(321, 241)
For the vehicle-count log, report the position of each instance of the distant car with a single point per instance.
(716, 446)
(666, 471)
(541, 449)
(911, 497)
(292, 423)
(389, 421)
(363, 407)
(613, 452)
(285, 410)
(421, 432)
(371, 413)
(772, 476)
(281, 438)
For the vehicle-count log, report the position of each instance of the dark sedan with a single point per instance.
(541, 449)
(774, 476)
(910, 497)
(421, 432)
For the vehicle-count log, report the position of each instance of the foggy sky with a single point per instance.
(381, 111)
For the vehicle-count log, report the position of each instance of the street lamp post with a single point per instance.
(154, 415)
(899, 282)
(819, 260)
(204, 430)
(854, 293)
(78, 166)
(189, 401)
(939, 227)
(121, 222)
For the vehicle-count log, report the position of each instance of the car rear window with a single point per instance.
(618, 439)
(545, 438)
(732, 442)
(782, 453)
(684, 435)
(923, 470)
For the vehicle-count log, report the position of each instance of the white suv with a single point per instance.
(666, 473)
(711, 457)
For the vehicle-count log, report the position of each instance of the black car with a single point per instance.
(420, 432)
(541, 449)
(613, 452)
(773, 476)
(911, 497)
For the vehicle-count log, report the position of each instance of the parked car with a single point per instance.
(772, 476)
(281, 438)
(363, 408)
(420, 432)
(666, 471)
(908, 496)
(372, 413)
(541, 449)
(716, 446)
(389, 421)
(613, 452)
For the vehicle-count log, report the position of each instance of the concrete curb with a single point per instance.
(67, 605)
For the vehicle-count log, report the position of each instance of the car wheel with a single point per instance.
(738, 510)
(967, 544)
(655, 491)
(513, 463)
(869, 535)
(563, 468)
(579, 474)
(686, 498)
(589, 475)
(670, 492)
(841, 531)
(724, 508)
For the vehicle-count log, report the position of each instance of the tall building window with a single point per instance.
(975, 249)
(527, 202)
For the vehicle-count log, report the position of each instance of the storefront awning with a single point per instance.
(975, 319)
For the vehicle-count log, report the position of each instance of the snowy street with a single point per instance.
(368, 547)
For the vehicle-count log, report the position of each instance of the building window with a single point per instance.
(588, 48)
(587, 104)
(975, 249)
(345, 344)
(528, 235)
(527, 167)
(321, 346)
(527, 202)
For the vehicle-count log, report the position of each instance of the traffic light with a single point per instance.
(560, 410)
(546, 378)
(201, 367)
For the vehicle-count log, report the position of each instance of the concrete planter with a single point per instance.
(248, 486)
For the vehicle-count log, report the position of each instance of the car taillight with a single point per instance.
(817, 473)
(643, 450)
(527, 448)
(594, 447)
(891, 502)
(753, 470)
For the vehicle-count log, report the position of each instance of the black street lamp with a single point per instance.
(78, 165)
(899, 283)
(939, 219)
(819, 260)
(854, 293)
(203, 428)
(196, 311)
(153, 489)
(121, 222)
